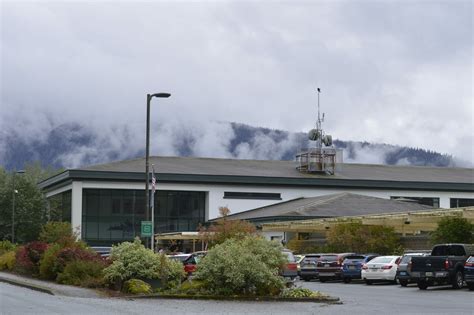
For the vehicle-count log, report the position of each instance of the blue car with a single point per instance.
(469, 273)
(352, 266)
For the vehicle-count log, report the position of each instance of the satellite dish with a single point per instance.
(327, 140)
(314, 134)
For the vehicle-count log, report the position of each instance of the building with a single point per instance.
(106, 202)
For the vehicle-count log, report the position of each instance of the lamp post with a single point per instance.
(147, 157)
(13, 204)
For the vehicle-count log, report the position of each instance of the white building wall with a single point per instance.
(215, 195)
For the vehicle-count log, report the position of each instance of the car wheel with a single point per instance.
(368, 282)
(458, 280)
(306, 279)
(470, 286)
(347, 280)
(422, 285)
(403, 282)
(323, 280)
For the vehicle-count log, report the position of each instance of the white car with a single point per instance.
(382, 268)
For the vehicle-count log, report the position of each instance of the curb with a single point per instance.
(328, 300)
(27, 285)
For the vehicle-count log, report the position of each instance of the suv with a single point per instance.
(469, 272)
(329, 266)
(352, 266)
(308, 267)
(403, 274)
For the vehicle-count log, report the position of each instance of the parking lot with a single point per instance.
(382, 298)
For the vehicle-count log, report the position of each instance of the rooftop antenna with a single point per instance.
(321, 158)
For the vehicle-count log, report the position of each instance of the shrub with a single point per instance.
(134, 261)
(47, 268)
(83, 273)
(249, 266)
(28, 257)
(6, 246)
(299, 293)
(70, 254)
(453, 230)
(7, 260)
(58, 232)
(136, 286)
(194, 287)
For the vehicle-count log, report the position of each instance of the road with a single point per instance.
(357, 298)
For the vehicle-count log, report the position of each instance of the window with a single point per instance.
(461, 202)
(429, 201)
(251, 195)
(113, 215)
(60, 207)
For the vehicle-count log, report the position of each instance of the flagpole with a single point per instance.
(153, 188)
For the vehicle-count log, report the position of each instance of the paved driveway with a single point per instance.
(357, 298)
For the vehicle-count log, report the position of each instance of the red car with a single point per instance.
(190, 264)
(329, 266)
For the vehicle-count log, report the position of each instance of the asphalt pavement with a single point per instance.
(357, 298)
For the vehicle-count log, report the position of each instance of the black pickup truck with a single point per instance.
(445, 265)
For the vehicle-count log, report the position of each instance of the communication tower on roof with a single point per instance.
(323, 157)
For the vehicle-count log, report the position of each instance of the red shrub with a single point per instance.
(69, 254)
(28, 257)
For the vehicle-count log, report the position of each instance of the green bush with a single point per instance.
(136, 286)
(194, 287)
(82, 273)
(7, 260)
(58, 232)
(299, 293)
(47, 268)
(249, 266)
(134, 261)
(6, 246)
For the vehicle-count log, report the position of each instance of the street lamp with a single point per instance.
(13, 204)
(147, 156)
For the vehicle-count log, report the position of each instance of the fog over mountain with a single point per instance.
(73, 144)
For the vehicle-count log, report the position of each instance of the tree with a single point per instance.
(453, 230)
(30, 203)
(224, 229)
(356, 237)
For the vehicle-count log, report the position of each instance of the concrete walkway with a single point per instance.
(49, 287)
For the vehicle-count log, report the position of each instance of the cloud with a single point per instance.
(391, 73)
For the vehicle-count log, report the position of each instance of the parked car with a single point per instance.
(329, 266)
(190, 264)
(179, 257)
(445, 265)
(469, 272)
(382, 268)
(308, 267)
(403, 274)
(290, 270)
(352, 266)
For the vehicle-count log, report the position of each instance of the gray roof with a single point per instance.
(334, 205)
(263, 172)
(287, 169)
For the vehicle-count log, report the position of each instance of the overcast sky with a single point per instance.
(398, 72)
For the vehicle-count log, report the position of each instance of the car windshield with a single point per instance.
(382, 260)
(471, 259)
(311, 259)
(329, 257)
(355, 257)
(289, 256)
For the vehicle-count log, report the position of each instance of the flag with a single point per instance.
(153, 180)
